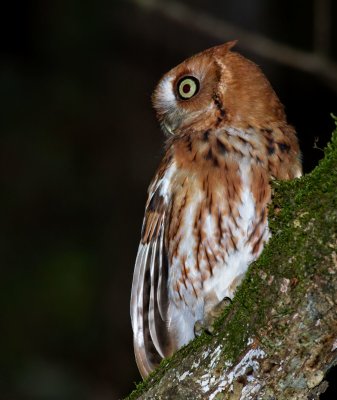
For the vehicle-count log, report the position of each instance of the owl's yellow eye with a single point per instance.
(188, 86)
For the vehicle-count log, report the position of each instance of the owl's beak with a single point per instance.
(167, 129)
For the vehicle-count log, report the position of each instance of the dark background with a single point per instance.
(79, 145)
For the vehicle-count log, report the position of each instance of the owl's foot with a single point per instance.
(207, 324)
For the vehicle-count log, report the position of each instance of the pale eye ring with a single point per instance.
(188, 86)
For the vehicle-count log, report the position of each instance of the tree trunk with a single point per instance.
(278, 339)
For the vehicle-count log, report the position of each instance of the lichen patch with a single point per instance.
(184, 375)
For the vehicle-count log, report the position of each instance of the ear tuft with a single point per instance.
(231, 44)
(222, 49)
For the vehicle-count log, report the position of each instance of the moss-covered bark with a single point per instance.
(278, 338)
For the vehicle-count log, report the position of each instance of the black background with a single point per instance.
(79, 145)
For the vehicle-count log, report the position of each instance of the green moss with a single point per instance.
(297, 204)
(303, 222)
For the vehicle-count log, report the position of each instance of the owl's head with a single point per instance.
(214, 88)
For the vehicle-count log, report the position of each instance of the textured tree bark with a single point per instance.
(278, 338)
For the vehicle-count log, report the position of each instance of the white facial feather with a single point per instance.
(165, 95)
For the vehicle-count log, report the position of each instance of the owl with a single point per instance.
(206, 213)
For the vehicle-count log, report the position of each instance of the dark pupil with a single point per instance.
(186, 88)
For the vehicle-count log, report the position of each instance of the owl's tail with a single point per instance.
(149, 304)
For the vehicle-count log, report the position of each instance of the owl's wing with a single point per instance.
(149, 296)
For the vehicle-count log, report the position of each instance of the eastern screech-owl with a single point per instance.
(206, 213)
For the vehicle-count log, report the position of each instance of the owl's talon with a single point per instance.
(209, 329)
(207, 325)
(220, 308)
(215, 313)
(198, 328)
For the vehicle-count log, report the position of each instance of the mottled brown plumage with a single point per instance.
(206, 214)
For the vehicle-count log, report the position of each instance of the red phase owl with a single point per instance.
(206, 213)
